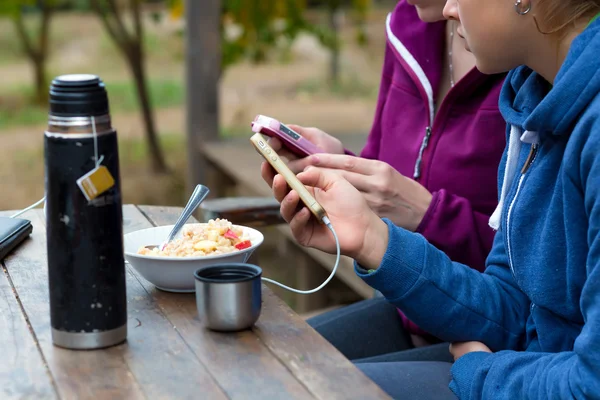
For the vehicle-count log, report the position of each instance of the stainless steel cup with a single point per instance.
(228, 296)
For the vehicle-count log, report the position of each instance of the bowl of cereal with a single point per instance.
(198, 245)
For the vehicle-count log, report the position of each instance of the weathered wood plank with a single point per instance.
(325, 372)
(23, 371)
(240, 362)
(28, 271)
(154, 362)
(248, 211)
(237, 159)
(313, 360)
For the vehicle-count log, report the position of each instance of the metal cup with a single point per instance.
(228, 296)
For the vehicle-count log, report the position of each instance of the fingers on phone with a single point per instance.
(267, 172)
(299, 221)
(289, 205)
(275, 143)
(280, 188)
(300, 165)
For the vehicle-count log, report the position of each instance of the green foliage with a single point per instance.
(12, 8)
(34, 43)
(252, 29)
(261, 25)
(361, 11)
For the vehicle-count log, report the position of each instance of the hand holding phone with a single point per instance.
(363, 234)
(291, 139)
(260, 143)
(267, 152)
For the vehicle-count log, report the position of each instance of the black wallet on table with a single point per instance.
(13, 231)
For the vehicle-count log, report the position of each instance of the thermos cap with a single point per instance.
(78, 95)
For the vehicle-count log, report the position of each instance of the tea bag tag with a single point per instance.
(96, 182)
(99, 179)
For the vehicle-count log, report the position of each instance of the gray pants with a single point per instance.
(370, 333)
(415, 380)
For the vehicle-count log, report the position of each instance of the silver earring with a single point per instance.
(519, 8)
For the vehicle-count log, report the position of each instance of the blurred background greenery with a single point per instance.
(307, 62)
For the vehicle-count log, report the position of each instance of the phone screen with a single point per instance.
(289, 132)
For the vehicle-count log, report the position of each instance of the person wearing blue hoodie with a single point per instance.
(529, 326)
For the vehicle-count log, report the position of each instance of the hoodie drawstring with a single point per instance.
(515, 141)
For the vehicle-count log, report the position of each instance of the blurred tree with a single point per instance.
(252, 28)
(35, 43)
(335, 8)
(130, 41)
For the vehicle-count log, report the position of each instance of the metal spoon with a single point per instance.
(196, 198)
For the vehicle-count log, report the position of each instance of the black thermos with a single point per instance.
(86, 272)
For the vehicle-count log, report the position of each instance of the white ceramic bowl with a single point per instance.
(176, 274)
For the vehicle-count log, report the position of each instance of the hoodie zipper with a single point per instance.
(530, 159)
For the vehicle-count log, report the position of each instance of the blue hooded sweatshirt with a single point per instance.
(537, 306)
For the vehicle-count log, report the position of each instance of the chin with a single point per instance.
(489, 68)
(430, 14)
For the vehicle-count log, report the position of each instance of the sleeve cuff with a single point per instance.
(401, 265)
(463, 373)
(430, 213)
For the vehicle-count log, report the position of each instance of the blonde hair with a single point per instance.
(560, 14)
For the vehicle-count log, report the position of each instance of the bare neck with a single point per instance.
(550, 51)
(462, 61)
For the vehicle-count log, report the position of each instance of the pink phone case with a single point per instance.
(292, 140)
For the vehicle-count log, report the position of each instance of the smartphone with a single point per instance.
(260, 143)
(291, 139)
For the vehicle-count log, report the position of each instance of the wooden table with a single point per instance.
(168, 355)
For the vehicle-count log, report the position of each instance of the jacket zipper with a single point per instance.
(441, 114)
(413, 68)
(530, 159)
(424, 143)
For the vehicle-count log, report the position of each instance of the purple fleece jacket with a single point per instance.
(455, 154)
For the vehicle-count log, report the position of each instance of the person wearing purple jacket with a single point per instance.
(429, 165)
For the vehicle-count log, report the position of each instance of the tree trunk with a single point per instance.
(136, 64)
(41, 84)
(36, 56)
(131, 46)
(39, 61)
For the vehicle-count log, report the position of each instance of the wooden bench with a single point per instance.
(240, 195)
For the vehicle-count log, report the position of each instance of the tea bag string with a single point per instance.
(94, 132)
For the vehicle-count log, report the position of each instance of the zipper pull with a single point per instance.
(417, 172)
(530, 158)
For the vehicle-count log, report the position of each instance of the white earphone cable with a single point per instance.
(337, 262)
(31, 207)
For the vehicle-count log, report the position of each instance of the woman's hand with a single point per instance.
(323, 140)
(388, 193)
(326, 142)
(362, 234)
(459, 349)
